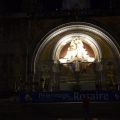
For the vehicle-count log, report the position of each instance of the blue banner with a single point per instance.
(70, 96)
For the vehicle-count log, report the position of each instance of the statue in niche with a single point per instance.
(110, 74)
(90, 69)
(76, 51)
(17, 67)
(87, 71)
(66, 70)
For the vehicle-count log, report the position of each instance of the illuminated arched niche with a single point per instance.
(89, 43)
(88, 28)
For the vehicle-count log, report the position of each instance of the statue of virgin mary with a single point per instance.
(76, 51)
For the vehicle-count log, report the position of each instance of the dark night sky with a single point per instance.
(100, 3)
(10, 6)
(13, 6)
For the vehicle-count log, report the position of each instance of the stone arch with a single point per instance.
(55, 26)
(64, 27)
(82, 26)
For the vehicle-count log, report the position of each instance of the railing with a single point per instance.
(70, 13)
(67, 13)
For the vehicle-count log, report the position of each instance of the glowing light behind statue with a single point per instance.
(76, 51)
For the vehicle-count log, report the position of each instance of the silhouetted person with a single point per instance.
(86, 106)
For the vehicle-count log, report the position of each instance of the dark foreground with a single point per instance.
(57, 111)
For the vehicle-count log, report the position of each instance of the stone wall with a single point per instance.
(12, 31)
